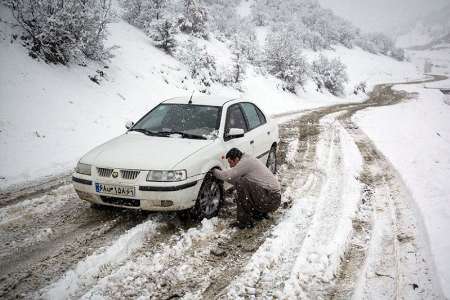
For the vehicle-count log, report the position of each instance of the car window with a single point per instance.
(261, 116)
(251, 114)
(154, 119)
(187, 118)
(235, 118)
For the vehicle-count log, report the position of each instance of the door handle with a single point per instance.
(251, 142)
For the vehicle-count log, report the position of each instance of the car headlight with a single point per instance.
(83, 169)
(156, 175)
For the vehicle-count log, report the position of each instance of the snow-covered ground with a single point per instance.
(418, 145)
(51, 115)
(304, 251)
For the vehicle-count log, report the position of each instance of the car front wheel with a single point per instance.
(209, 198)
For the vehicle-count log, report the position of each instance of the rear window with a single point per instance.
(262, 118)
(251, 112)
(235, 118)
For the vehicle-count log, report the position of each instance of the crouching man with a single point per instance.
(258, 190)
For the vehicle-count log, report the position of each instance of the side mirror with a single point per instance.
(129, 124)
(234, 133)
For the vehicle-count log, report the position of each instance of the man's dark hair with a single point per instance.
(234, 153)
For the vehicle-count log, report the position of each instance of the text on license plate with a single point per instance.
(118, 190)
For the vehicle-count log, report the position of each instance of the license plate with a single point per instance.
(118, 190)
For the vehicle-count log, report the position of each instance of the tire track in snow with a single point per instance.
(151, 271)
(33, 189)
(282, 265)
(318, 259)
(15, 230)
(270, 266)
(306, 131)
(388, 257)
(265, 273)
(89, 269)
(382, 98)
(44, 236)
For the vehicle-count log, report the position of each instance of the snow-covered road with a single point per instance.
(345, 228)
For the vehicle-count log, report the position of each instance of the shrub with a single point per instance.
(201, 64)
(283, 59)
(329, 74)
(141, 13)
(61, 31)
(194, 19)
(361, 87)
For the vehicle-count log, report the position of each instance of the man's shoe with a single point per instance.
(258, 216)
(242, 225)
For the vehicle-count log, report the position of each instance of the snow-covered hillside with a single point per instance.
(50, 115)
(425, 30)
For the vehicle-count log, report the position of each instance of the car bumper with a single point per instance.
(152, 196)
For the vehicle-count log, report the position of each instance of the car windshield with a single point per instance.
(184, 120)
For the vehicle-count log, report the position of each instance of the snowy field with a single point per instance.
(418, 137)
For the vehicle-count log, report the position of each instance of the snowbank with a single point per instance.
(417, 145)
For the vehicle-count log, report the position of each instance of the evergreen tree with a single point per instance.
(163, 35)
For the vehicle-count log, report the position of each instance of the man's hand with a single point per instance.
(215, 173)
(219, 174)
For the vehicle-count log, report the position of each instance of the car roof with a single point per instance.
(202, 100)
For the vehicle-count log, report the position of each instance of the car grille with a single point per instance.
(104, 172)
(125, 174)
(129, 174)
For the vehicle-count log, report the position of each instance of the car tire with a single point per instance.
(209, 199)
(271, 163)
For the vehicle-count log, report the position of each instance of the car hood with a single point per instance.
(135, 150)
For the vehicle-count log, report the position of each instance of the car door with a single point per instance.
(235, 119)
(258, 133)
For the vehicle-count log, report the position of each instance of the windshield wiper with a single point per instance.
(146, 131)
(183, 134)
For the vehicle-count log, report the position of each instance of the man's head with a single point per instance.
(233, 156)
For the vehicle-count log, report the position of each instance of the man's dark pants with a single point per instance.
(252, 199)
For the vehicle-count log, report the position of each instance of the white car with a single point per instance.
(163, 162)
